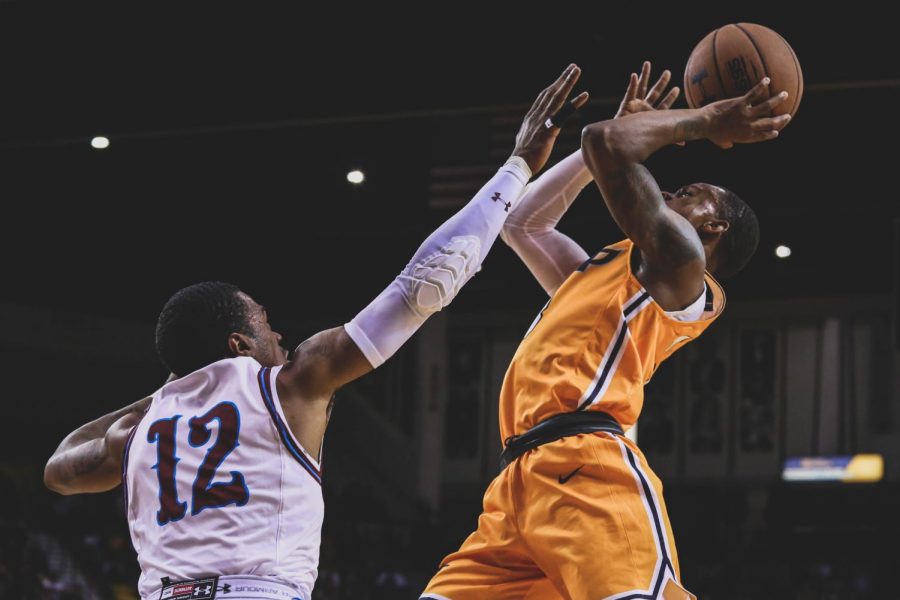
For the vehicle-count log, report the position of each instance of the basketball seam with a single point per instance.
(758, 52)
(716, 63)
(794, 106)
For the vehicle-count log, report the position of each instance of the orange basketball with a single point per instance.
(732, 59)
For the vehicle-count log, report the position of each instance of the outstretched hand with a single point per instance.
(639, 99)
(746, 119)
(536, 136)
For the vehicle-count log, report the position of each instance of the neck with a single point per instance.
(710, 258)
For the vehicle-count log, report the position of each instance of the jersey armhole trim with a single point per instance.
(125, 466)
(265, 388)
(714, 294)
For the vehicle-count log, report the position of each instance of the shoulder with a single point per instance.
(322, 364)
(220, 371)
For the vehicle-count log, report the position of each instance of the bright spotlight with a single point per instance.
(100, 142)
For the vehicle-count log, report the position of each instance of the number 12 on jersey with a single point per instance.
(204, 493)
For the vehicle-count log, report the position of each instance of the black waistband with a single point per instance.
(556, 427)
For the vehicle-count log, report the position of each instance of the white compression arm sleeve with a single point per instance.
(442, 264)
(530, 230)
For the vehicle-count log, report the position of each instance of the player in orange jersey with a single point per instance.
(576, 511)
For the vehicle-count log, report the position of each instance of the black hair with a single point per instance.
(739, 242)
(193, 328)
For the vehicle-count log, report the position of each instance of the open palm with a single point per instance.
(639, 99)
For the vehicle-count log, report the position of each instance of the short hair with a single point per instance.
(193, 328)
(737, 246)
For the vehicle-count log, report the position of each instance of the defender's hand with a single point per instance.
(535, 139)
(746, 119)
(639, 99)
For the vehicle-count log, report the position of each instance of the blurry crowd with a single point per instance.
(68, 548)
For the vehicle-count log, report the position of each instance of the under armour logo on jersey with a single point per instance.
(198, 589)
(496, 197)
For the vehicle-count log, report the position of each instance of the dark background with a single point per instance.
(233, 125)
(232, 128)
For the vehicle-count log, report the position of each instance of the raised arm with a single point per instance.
(615, 150)
(440, 267)
(530, 230)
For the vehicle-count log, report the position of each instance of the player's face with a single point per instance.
(267, 350)
(697, 202)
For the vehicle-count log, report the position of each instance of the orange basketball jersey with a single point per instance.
(595, 344)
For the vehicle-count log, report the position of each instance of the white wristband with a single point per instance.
(518, 167)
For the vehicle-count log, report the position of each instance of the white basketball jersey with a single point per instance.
(216, 484)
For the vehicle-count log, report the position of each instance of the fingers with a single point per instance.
(766, 107)
(580, 100)
(644, 80)
(559, 118)
(658, 87)
(770, 123)
(539, 101)
(550, 101)
(564, 76)
(758, 92)
(631, 92)
(543, 98)
(765, 136)
(654, 93)
(562, 88)
(762, 136)
(556, 107)
(670, 98)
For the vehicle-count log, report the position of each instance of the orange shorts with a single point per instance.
(579, 518)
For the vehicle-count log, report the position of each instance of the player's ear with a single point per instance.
(240, 344)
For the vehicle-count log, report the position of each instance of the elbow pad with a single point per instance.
(423, 288)
(432, 283)
(444, 262)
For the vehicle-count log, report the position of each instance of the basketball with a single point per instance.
(732, 59)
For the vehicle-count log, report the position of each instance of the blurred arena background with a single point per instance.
(232, 129)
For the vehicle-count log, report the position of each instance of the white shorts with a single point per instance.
(230, 587)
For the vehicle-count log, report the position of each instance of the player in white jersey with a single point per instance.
(222, 463)
(218, 438)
